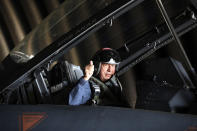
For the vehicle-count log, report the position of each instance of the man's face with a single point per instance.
(107, 70)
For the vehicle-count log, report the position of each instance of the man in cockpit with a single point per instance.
(99, 85)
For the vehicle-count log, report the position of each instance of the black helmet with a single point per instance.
(105, 55)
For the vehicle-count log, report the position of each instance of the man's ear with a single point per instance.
(97, 68)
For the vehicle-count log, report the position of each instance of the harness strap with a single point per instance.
(97, 83)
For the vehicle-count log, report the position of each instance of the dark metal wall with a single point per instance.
(18, 18)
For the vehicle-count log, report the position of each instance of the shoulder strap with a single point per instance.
(115, 81)
(103, 87)
(95, 89)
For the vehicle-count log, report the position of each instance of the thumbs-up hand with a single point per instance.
(89, 70)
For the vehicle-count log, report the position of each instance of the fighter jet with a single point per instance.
(155, 40)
